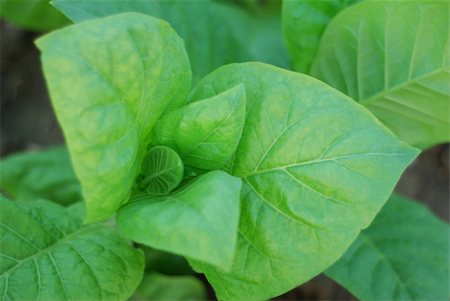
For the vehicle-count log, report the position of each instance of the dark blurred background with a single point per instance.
(27, 122)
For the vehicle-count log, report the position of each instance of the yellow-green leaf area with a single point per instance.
(316, 167)
(110, 80)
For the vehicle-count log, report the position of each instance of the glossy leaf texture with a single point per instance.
(162, 171)
(47, 254)
(316, 167)
(157, 286)
(199, 221)
(110, 80)
(403, 255)
(32, 14)
(205, 133)
(215, 33)
(46, 174)
(304, 22)
(393, 57)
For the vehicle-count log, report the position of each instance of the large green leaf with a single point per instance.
(304, 22)
(403, 255)
(393, 57)
(110, 80)
(207, 132)
(32, 14)
(46, 174)
(316, 168)
(215, 33)
(199, 221)
(47, 254)
(159, 287)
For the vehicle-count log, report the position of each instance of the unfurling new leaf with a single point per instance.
(162, 171)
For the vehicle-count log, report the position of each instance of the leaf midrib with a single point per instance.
(388, 91)
(49, 248)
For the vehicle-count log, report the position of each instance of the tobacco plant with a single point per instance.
(261, 177)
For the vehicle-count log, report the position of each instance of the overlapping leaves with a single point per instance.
(110, 80)
(393, 57)
(315, 167)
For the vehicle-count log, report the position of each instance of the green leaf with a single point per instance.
(156, 286)
(215, 33)
(110, 80)
(162, 171)
(205, 133)
(199, 221)
(316, 168)
(47, 254)
(46, 174)
(403, 255)
(393, 57)
(165, 262)
(32, 14)
(304, 22)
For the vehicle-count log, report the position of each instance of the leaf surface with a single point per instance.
(157, 286)
(403, 255)
(47, 254)
(215, 33)
(32, 14)
(199, 221)
(316, 167)
(205, 133)
(393, 57)
(304, 22)
(110, 80)
(162, 171)
(46, 174)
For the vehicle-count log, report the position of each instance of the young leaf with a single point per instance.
(46, 174)
(47, 254)
(215, 33)
(403, 255)
(304, 22)
(110, 80)
(316, 167)
(393, 57)
(157, 286)
(205, 133)
(162, 171)
(32, 14)
(200, 221)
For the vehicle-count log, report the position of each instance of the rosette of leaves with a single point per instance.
(287, 169)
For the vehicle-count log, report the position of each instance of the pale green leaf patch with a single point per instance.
(206, 209)
(110, 80)
(316, 168)
(205, 133)
(393, 57)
